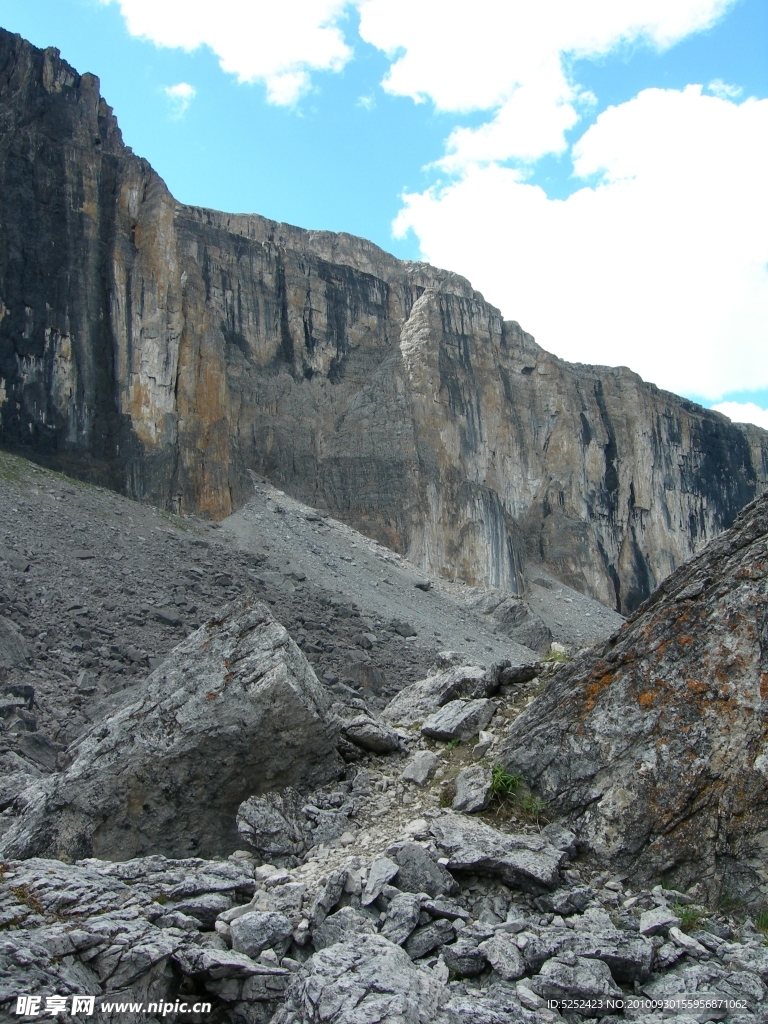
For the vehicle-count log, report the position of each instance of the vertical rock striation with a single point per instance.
(167, 350)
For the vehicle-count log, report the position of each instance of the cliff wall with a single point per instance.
(167, 350)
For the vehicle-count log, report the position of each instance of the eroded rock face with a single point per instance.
(190, 346)
(235, 708)
(655, 746)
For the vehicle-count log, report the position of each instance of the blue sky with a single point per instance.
(568, 166)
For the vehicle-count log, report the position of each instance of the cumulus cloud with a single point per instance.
(512, 58)
(179, 97)
(744, 412)
(279, 44)
(659, 263)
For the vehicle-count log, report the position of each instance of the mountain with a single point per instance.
(167, 351)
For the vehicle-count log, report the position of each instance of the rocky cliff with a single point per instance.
(168, 350)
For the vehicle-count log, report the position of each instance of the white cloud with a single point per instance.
(179, 97)
(278, 43)
(662, 265)
(726, 92)
(510, 57)
(744, 412)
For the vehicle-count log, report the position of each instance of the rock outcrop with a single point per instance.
(654, 746)
(167, 350)
(234, 710)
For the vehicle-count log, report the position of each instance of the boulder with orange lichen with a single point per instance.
(654, 747)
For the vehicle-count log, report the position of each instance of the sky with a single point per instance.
(597, 168)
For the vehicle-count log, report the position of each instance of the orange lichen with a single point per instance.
(695, 686)
(764, 686)
(645, 700)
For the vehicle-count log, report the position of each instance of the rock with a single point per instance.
(418, 701)
(629, 957)
(459, 719)
(254, 932)
(194, 436)
(382, 870)
(686, 942)
(528, 862)
(402, 917)
(367, 980)
(481, 748)
(574, 977)
(417, 872)
(169, 769)
(464, 957)
(167, 617)
(371, 735)
(442, 907)
(430, 936)
(14, 651)
(341, 926)
(420, 767)
(205, 908)
(660, 919)
(269, 824)
(502, 954)
(404, 629)
(334, 887)
(473, 790)
(635, 742)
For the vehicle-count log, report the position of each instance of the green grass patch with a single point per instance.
(690, 917)
(761, 922)
(503, 785)
(452, 744)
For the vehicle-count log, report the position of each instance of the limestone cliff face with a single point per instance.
(167, 350)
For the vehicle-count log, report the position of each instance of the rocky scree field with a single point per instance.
(394, 864)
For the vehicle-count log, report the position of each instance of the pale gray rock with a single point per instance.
(205, 908)
(166, 879)
(402, 917)
(418, 701)
(418, 872)
(473, 790)
(659, 919)
(629, 956)
(368, 734)
(341, 926)
(254, 932)
(382, 870)
(235, 701)
(529, 862)
(502, 954)
(330, 896)
(361, 982)
(459, 719)
(574, 977)
(420, 767)
(428, 937)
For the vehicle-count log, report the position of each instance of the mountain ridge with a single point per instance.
(168, 351)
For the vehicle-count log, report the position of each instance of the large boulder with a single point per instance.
(366, 979)
(234, 710)
(654, 747)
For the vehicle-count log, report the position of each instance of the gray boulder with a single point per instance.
(574, 977)
(341, 926)
(464, 957)
(642, 743)
(382, 870)
(368, 734)
(254, 932)
(430, 936)
(459, 719)
(361, 982)
(235, 702)
(473, 790)
(528, 862)
(418, 872)
(417, 702)
(402, 917)
(502, 954)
